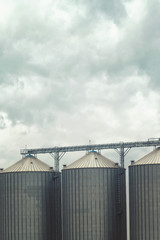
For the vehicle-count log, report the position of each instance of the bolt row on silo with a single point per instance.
(93, 199)
(30, 201)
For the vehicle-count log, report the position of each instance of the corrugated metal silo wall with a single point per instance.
(144, 190)
(93, 204)
(30, 206)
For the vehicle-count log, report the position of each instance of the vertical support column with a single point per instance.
(56, 161)
(122, 154)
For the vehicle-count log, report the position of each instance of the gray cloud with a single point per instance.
(74, 71)
(2, 122)
(113, 9)
(140, 49)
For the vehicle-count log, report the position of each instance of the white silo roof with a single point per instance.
(28, 164)
(151, 158)
(92, 160)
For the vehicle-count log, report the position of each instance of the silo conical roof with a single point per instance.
(28, 164)
(151, 158)
(92, 160)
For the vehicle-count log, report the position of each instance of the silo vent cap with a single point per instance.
(29, 155)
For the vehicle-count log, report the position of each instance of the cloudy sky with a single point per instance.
(78, 70)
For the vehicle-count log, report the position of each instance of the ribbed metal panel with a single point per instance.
(144, 190)
(30, 206)
(93, 204)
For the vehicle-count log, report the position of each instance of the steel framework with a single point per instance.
(122, 148)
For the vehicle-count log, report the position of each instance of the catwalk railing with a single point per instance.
(122, 148)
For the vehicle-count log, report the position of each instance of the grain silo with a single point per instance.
(144, 191)
(30, 201)
(93, 199)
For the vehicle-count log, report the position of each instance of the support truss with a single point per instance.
(122, 148)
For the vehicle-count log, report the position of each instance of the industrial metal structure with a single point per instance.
(30, 207)
(122, 148)
(144, 192)
(93, 199)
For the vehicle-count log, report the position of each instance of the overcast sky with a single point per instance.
(78, 70)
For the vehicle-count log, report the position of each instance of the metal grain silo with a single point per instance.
(144, 191)
(30, 201)
(93, 200)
